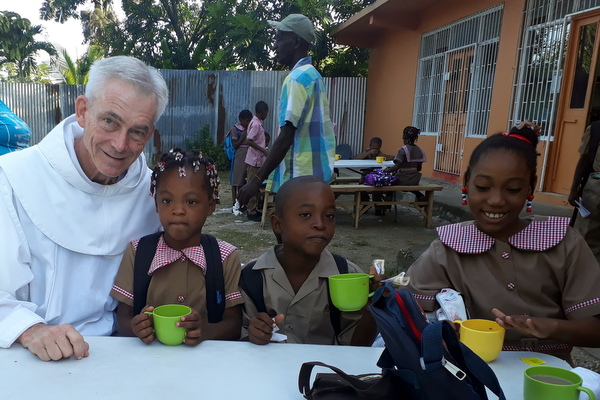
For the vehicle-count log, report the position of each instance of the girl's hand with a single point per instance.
(539, 327)
(261, 326)
(142, 325)
(376, 281)
(193, 323)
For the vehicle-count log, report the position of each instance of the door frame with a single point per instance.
(565, 114)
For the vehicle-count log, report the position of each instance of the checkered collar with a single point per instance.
(541, 234)
(165, 255)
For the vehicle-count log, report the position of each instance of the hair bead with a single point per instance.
(177, 158)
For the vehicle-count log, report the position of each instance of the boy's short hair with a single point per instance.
(245, 114)
(260, 107)
(288, 188)
(376, 140)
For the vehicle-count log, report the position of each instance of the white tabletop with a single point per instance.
(125, 368)
(361, 164)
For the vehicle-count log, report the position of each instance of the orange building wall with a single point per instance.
(393, 68)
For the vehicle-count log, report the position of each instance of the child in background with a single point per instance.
(238, 138)
(295, 273)
(534, 275)
(409, 161)
(257, 154)
(372, 153)
(186, 189)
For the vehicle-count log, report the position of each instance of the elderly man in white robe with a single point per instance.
(68, 208)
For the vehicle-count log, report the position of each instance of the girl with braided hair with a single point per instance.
(534, 275)
(185, 187)
(409, 161)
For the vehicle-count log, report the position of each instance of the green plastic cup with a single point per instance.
(553, 383)
(349, 292)
(165, 317)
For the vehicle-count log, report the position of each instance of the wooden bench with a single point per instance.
(358, 207)
(340, 180)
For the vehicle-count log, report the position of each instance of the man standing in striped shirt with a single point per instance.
(306, 143)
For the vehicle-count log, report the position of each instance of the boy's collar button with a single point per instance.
(506, 255)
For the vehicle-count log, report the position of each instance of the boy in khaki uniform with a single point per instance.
(589, 227)
(295, 273)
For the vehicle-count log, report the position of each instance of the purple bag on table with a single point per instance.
(378, 177)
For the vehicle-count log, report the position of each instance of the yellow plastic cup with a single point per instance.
(349, 292)
(338, 157)
(164, 318)
(483, 336)
(380, 159)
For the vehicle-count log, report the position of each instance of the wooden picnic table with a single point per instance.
(358, 207)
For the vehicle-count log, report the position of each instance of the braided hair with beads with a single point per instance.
(410, 135)
(177, 158)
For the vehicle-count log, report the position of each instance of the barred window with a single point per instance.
(481, 32)
(541, 55)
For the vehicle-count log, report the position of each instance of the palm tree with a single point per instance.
(76, 72)
(19, 46)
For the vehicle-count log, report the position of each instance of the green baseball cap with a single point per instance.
(297, 23)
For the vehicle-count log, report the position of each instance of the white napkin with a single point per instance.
(278, 337)
(584, 212)
(591, 380)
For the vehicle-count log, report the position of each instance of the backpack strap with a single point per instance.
(440, 334)
(252, 284)
(144, 255)
(215, 282)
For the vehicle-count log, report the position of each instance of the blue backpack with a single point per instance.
(427, 361)
(228, 147)
(421, 361)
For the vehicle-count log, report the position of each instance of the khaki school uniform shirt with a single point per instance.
(584, 148)
(306, 312)
(546, 270)
(178, 276)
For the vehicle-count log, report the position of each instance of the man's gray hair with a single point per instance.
(132, 71)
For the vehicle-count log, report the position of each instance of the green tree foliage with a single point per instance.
(211, 34)
(9, 73)
(19, 46)
(204, 143)
(76, 72)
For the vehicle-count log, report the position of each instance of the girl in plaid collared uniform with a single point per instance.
(185, 188)
(534, 275)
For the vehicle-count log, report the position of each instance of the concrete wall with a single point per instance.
(393, 71)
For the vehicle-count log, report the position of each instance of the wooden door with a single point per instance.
(450, 142)
(580, 86)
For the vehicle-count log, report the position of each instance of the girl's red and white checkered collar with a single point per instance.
(165, 255)
(541, 234)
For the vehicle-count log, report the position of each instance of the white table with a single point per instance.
(361, 164)
(125, 368)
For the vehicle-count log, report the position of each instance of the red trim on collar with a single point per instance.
(539, 235)
(165, 255)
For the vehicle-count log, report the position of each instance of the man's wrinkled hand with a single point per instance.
(54, 342)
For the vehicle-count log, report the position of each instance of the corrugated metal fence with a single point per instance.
(197, 98)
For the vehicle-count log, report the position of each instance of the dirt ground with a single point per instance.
(398, 243)
(377, 237)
